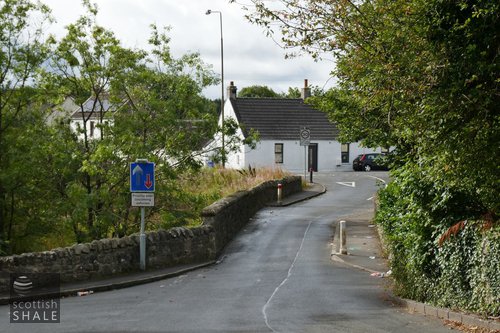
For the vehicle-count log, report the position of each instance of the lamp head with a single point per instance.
(209, 11)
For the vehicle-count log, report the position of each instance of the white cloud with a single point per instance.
(250, 58)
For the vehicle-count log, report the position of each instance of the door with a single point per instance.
(344, 151)
(312, 157)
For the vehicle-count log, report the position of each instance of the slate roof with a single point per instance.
(282, 118)
(92, 109)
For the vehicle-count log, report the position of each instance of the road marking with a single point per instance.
(370, 198)
(383, 181)
(264, 309)
(349, 184)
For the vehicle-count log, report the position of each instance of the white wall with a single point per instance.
(77, 127)
(329, 156)
(293, 155)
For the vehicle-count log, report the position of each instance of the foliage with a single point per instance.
(462, 272)
(266, 92)
(250, 172)
(22, 51)
(257, 91)
(145, 104)
(419, 76)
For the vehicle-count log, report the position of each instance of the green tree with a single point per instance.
(257, 91)
(168, 120)
(292, 93)
(132, 104)
(22, 50)
(84, 65)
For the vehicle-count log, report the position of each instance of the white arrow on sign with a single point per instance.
(349, 184)
(137, 171)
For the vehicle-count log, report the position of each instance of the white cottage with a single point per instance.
(279, 122)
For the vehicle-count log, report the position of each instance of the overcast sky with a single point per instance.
(250, 58)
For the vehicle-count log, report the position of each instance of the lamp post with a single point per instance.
(222, 84)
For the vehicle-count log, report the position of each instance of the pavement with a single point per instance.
(364, 252)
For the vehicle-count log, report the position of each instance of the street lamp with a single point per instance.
(222, 83)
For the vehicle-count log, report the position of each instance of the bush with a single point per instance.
(462, 272)
(470, 266)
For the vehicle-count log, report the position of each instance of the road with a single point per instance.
(276, 276)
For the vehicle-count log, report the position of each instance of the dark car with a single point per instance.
(368, 162)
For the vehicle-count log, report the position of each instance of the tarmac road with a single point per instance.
(276, 276)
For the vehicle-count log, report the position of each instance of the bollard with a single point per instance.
(280, 193)
(343, 238)
(311, 175)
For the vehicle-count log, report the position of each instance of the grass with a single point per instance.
(199, 190)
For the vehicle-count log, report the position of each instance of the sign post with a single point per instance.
(305, 140)
(142, 186)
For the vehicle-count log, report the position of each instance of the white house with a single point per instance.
(87, 117)
(91, 115)
(279, 122)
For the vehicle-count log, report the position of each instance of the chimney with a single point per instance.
(231, 91)
(306, 91)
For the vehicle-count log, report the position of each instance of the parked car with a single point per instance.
(368, 162)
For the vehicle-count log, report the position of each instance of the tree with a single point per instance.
(292, 93)
(84, 65)
(22, 50)
(144, 104)
(257, 91)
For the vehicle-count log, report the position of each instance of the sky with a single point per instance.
(250, 58)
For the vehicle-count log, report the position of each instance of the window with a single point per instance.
(278, 153)
(344, 152)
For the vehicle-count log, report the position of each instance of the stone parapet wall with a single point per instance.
(114, 256)
(106, 257)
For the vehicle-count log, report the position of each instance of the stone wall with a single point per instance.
(164, 248)
(114, 256)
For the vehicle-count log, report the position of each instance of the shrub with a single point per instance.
(462, 272)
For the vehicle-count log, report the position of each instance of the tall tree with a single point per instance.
(84, 64)
(22, 50)
(168, 120)
(131, 104)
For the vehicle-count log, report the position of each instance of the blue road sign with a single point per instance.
(142, 177)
